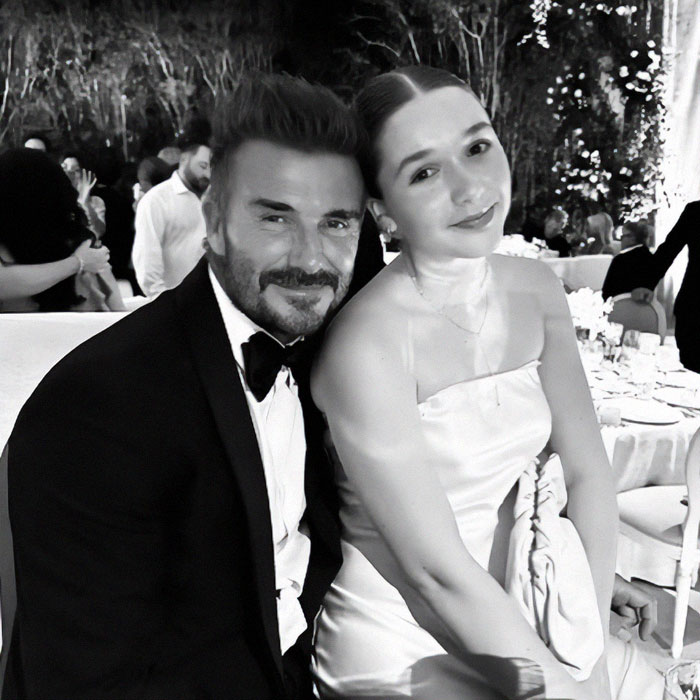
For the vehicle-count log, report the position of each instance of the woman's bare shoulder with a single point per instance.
(534, 274)
(366, 329)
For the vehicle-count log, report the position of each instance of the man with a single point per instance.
(553, 232)
(161, 553)
(686, 231)
(632, 268)
(169, 222)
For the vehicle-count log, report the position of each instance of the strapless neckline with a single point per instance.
(451, 387)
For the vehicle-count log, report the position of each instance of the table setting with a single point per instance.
(647, 403)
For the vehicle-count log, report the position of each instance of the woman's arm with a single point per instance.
(592, 507)
(113, 296)
(370, 403)
(18, 281)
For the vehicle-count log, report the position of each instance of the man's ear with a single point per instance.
(385, 223)
(214, 223)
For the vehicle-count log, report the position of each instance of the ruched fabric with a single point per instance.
(548, 573)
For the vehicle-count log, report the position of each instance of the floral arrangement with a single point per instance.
(590, 314)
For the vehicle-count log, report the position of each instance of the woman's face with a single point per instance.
(444, 175)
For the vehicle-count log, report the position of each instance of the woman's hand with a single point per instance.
(86, 181)
(92, 259)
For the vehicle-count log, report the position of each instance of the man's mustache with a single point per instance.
(296, 277)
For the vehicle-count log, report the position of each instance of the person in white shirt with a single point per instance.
(169, 223)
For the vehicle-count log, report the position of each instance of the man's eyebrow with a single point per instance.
(418, 155)
(271, 204)
(344, 214)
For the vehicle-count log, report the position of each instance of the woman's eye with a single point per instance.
(423, 174)
(478, 148)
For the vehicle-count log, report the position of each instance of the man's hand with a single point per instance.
(634, 606)
(642, 294)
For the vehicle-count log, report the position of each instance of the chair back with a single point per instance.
(691, 524)
(648, 317)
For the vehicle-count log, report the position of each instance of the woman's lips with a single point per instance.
(478, 220)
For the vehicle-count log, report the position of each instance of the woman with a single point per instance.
(48, 261)
(83, 181)
(447, 383)
(598, 230)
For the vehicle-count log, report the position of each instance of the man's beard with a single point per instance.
(300, 318)
(197, 184)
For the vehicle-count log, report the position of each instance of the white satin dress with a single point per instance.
(485, 436)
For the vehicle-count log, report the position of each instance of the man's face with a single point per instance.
(196, 170)
(283, 241)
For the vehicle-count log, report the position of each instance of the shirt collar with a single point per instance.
(627, 250)
(238, 326)
(179, 187)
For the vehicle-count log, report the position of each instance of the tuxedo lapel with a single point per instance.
(216, 366)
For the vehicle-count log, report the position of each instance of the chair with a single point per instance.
(648, 317)
(659, 537)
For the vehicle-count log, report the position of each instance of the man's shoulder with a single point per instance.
(159, 194)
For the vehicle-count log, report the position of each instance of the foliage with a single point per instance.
(128, 67)
(574, 87)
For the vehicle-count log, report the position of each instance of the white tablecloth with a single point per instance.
(30, 345)
(643, 455)
(583, 271)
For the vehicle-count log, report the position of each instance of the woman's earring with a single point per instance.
(386, 225)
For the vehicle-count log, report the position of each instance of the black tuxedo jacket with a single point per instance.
(686, 231)
(629, 270)
(142, 536)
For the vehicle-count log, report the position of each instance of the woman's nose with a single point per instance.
(464, 184)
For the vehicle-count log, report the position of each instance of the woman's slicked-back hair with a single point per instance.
(383, 95)
(284, 110)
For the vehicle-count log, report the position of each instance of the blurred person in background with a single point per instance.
(83, 181)
(151, 171)
(171, 155)
(632, 269)
(169, 222)
(37, 141)
(598, 231)
(48, 258)
(554, 237)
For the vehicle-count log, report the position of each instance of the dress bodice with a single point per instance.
(481, 435)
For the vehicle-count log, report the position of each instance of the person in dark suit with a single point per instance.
(181, 550)
(633, 267)
(686, 231)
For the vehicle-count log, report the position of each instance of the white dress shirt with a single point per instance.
(170, 229)
(279, 426)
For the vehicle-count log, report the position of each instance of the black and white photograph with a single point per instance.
(349, 349)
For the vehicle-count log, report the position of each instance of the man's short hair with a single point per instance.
(641, 231)
(287, 111)
(195, 133)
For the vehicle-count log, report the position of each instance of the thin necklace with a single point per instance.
(471, 302)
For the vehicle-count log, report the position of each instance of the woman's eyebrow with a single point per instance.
(418, 155)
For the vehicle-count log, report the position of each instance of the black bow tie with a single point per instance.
(263, 357)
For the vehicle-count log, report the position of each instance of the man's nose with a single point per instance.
(307, 248)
